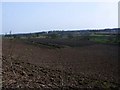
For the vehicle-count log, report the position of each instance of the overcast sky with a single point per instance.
(21, 17)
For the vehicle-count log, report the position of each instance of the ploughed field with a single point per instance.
(97, 64)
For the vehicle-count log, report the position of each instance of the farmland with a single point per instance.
(68, 63)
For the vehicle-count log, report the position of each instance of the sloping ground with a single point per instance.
(26, 65)
(0, 63)
(19, 74)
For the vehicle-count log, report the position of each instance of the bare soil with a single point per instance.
(94, 65)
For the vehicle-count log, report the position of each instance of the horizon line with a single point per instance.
(57, 30)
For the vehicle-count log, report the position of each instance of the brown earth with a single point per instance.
(97, 62)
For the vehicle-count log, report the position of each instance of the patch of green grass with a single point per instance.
(105, 39)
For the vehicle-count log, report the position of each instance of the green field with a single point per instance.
(105, 39)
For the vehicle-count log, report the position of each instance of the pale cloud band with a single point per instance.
(60, 1)
(119, 14)
(105, 15)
